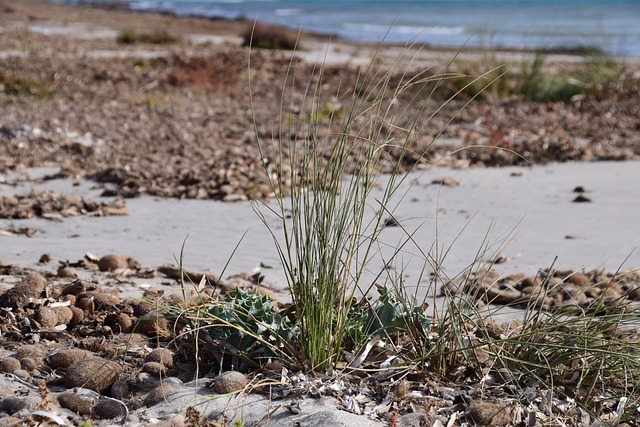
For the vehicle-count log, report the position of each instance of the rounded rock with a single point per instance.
(125, 323)
(64, 315)
(63, 359)
(156, 369)
(161, 393)
(108, 409)
(77, 316)
(81, 405)
(120, 390)
(160, 355)
(68, 273)
(35, 351)
(230, 381)
(112, 262)
(10, 365)
(47, 317)
(93, 373)
(28, 364)
(10, 405)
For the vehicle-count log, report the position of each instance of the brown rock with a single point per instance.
(153, 325)
(488, 413)
(93, 373)
(108, 409)
(100, 300)
(120, 390)
(64, 315)
(37, 352)
(10, 365)
(112, 262)
(155, 369)
(230, 381)
(161, 393)
(47, 317)
(81, 405)
(11, 405)
(29, 288)
(77, 316)
(161, 355)
(68, 272)
(125, 323)
(579, 279)
(28, 364)
(22, 374)
(63, 359)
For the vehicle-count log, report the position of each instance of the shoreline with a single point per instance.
(119, 16)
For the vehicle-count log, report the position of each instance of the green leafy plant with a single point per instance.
(248, 325)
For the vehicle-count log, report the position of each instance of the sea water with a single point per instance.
(612, 25)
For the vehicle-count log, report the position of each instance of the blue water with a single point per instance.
(613, 25)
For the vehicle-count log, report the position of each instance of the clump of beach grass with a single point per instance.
(327, 229)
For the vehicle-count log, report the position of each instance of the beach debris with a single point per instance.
(447, 181)
(582, 199)
(56, 207)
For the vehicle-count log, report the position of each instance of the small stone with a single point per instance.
(28, 364)
(22, 374)
(47, 317)
(160, 355)
(153, 325)
(161, 393)
(581, 199)
(10, 365)
(125, 323)
(68, 273)
(391, 222)
(488, 413)
(112, 262)
(81, 405)
(93, 373)
(447, 181)
(44, 259)
(30, 288)
(63, 359)
(108, 409)
(120, 390)
(11, 405)
(579, 279)
(64, 315)
(229, 381)
(145, 382)
(100, 300)
(37, 352)
(154, 368)
(77, 315)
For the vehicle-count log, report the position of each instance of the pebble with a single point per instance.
(108, 409)
(488, 413)
(161, 394)
(229, 382)
(93, 373)
(81, 405)
(10, 405)
(10, 365)
(160, 355)
(156, 369)
(62, 360)
(112, 262)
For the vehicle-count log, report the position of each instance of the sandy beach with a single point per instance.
(135, 149)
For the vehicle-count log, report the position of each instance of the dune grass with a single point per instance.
(327, 228)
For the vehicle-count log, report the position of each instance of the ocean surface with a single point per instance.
(613, 25)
